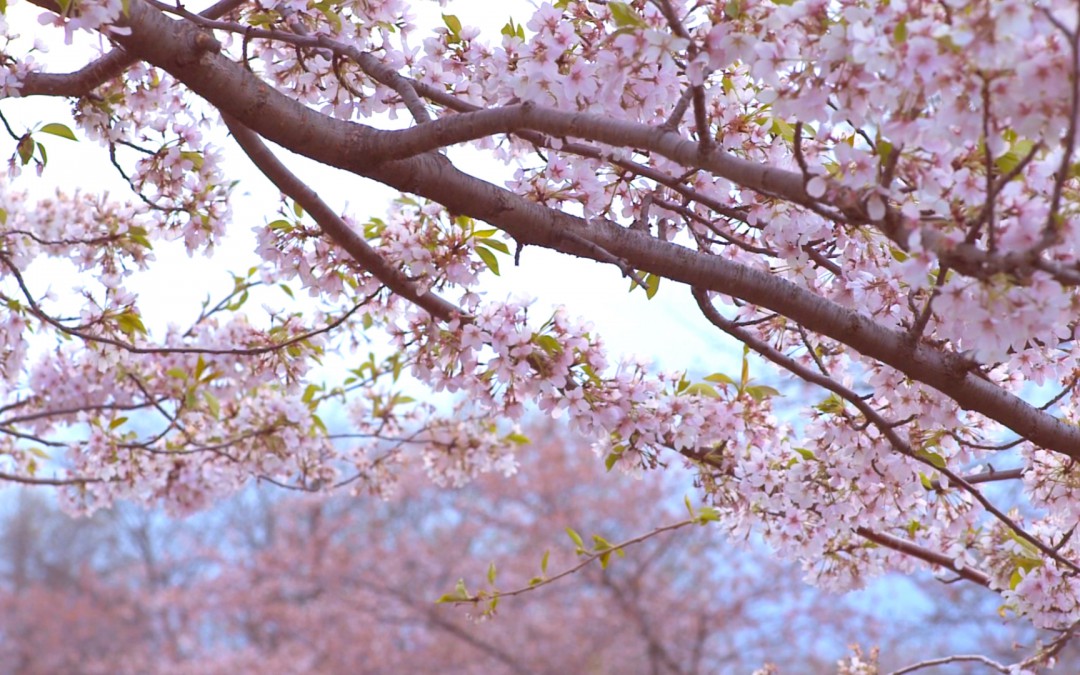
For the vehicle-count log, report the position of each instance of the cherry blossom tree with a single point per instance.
(273, 582)
(878, 199)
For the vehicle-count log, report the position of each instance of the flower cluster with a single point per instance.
(909, 166)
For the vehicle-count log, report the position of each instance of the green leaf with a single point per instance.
(297, 209)
(832, 405)
(605, 558)
(783, 129)
(708, 515)
(460, 589)
(518, 31)
(518, 439)
(327, 10)
(576, 538)
(139, 236)
(178, 373)
(652, 284)
(611, 460)
(489, 259)
(682, 384)
(25, 149)
(936, 460)
(130, 323)
(900, 32)
(1011, 159)
(239, 302)
(1027, 546)
(453, 24)
(600, 544)
(374, 228)
(262, 19)
(548, 343)
(117, 422)
(213, 404)
(491, 574)
(495, 244)
(624, 15)
(702, 389)
(544, 562)
(761, 391)
(195, 158)
(884, 150)
(719, 378)
(61, 130)
(806, 454)
(926, 482)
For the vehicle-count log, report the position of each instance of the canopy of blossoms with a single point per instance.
(879, 198)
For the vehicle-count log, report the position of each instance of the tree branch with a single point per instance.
(96, 73)
(915, 551)
(334, 227)
(175, 46)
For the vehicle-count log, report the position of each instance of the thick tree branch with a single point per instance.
(96, 73)
(967, 258)
(188, 54)
(471, 126)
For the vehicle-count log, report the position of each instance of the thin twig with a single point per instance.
(875, 418)
(959, 658)
(586, 560)
(334, 227)
(133, 349)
